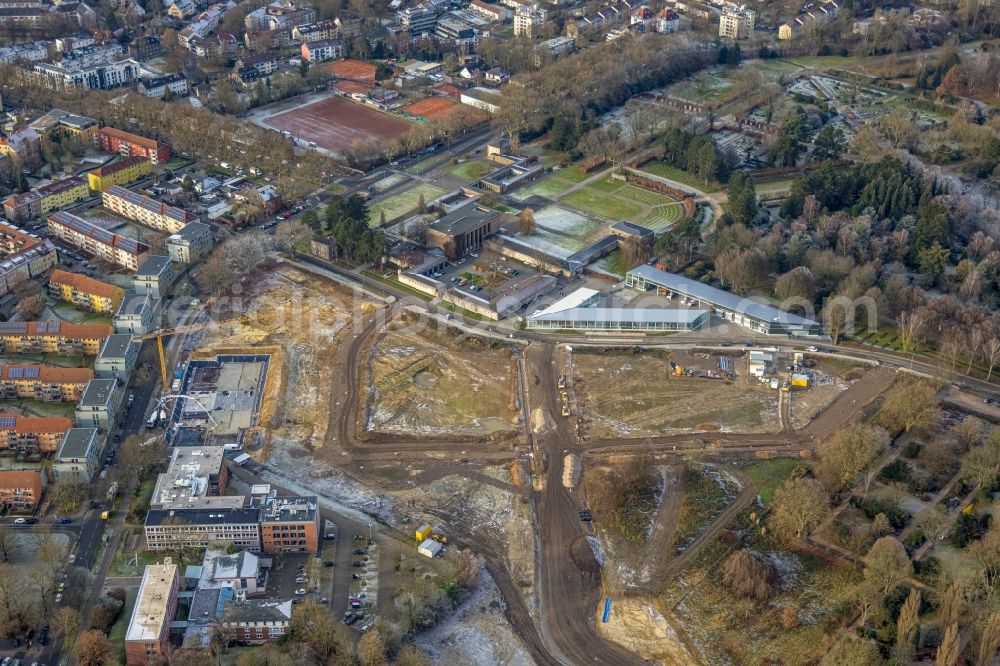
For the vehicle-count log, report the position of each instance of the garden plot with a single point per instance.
(628, 395)
(429, 383)
(555, 244)
(705, 88)
(391, 181)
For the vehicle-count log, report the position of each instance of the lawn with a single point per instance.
(117, 633)
(48, 409)
(593, 200)
(471, 170)
(553, 185)
(69, 312)
(769, 474)
(705, 88)
(403, 203)
(665, 170)
(336, 188)
(396, 284)
(771, 185)
(663, 217)
(614, 263)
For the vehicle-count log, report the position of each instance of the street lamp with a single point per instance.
(369, 533)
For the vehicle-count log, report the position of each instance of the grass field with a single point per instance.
(665, 170)
(648, 197)
(662, 217)
(471, 170)
(771, 185)
(593, 200)
(770, 474)
(39, 408)
(704, 88)
(552, 185)
(403, 203)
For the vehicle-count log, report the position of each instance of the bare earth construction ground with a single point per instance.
(634, 395)
(336, 124)
(427, 383)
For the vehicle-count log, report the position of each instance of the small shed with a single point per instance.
(424, 531)
(429, 548)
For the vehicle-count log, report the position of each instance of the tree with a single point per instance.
(991, 352)
(909, 404)
(950, 650)
(933, 260)
(747, 576)
(950, 604)
(828, 144)
(850, 450)
(526, 222)
(742, 269)
(313, 624)
(887, 564)
(982, 464)
(989, 640)
(742, 199)
(634, 251)
(31, 307)
(910, 327)
(65, 623)
(371, 647)
(856, 652)
(796, 284)
(410, 655)
(799, 505)
(907, 628)
(933, 522)
(92, 648)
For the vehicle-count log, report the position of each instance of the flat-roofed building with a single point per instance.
(289, 524)
(194, 472)
(756, 316)
(79, 126)
(124, 171)
(43, 382)
(85, 291)
(170, 529)
(98, 406)
(154, 277)
(79, 456)
(20, 490)
(144, 210)
(190, 244)
(103, 244)
(736, 22)
(240, 572)
(117, 357)
(148, 635)
(134, 315)
(32, 434)
(52, 337)
(463, 231)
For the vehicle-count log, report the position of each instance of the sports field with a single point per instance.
(336, 124)
(431, 108)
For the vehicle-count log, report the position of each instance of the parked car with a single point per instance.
(20, 521)
(357, 563)
(360, 551)
(328, 563)
(59, 597)
(300, 591)
(301, 579)
(65, 521)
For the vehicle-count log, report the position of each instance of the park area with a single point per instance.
(336, 124)
(428, 382)
(400, 204)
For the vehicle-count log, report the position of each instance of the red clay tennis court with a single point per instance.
(336, 124)
(431, 108)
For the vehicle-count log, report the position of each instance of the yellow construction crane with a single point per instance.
(177, 330)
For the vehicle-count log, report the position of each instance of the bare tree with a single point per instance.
(887, 564)
(910, 326)
(933, 522)
(799, 505)
(906, 627)
(991, 354)
(747, 575)
(989, 640)
(526, 222)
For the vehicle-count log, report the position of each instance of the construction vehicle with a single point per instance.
(562, 381)
(440, 538)
(105, 515)
(565, 410)
(177, 330)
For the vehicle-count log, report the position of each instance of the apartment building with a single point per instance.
(134, 315)
(112, 248)
(20, 490)
(528, 21)
(736, 22)
(323, 50)
(124, 171)
(69, 75)
(52, 337)
(256, 621)
(154, 277)
(170, 529)
(194, 472)
(98, 406)
(811, 19)
(489, 11)
(57, 119)
(147, 638)
(289, 524)
(32, 434)
(144, 210)
(45, 199)
(22, 257)
(190, 244)
(43, 382)
(117, 357)
(23, 146)
(79, 456)
(112, 140)
(85, 292)
(159, 86)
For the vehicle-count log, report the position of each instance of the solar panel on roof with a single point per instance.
(30, 373)
(14, 373)
(7, 421)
